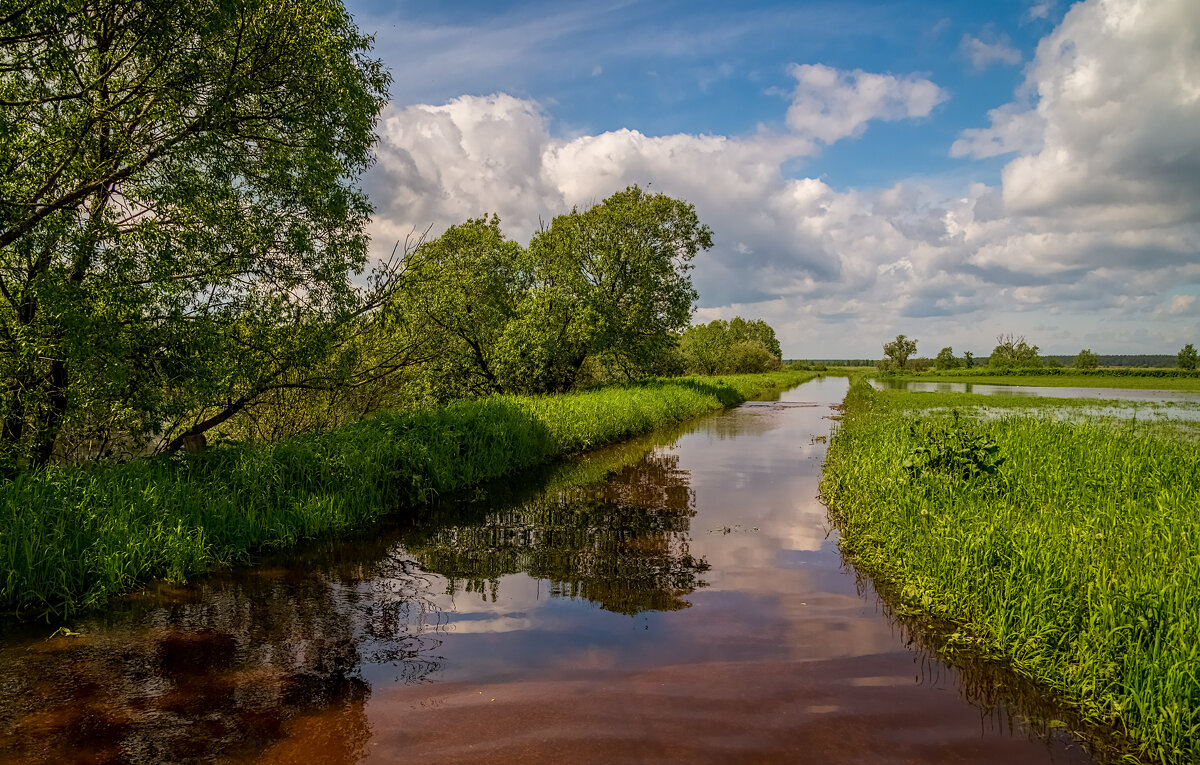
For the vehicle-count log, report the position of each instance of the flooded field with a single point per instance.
(680, 598)
(1111, 402)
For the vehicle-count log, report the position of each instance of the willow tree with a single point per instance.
(178, 218)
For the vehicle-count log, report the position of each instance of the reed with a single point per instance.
(1076, 560)
(71, 538)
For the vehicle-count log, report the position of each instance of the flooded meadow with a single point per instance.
(676, 598)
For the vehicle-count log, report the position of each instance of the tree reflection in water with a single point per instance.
(266, 662)
(621, 543)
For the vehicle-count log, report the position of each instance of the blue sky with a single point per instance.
(847, 154)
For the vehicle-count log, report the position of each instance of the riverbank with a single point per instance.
(71, 538)
(1069, 550)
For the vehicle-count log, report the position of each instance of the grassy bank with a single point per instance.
(1070, 550)
(1115, 377)
(71, 538)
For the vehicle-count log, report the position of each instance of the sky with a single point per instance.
(948, 170)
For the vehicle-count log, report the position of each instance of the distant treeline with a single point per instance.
(1123, 360)
(834, 362)
(1112, 360)
(989, 371)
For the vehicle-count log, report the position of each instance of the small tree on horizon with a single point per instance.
(945, 359)
(1187, 357)
(899, 350)
(1012, 351)
(968, 359)
(1086, 360)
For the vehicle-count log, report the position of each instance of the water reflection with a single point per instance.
(988, 389)
(218, 673)
(1122, 403)
(228, 666)
(542, 619)
(621, 543)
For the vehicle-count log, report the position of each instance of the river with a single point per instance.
(677, 599)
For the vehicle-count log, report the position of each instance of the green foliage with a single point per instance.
(1077, 563)
(458, 295)
(968, 359)
(919, 364)
(1187, 358)
(178, 220)
(598, 295)
(958, 449)
(748, 356)
(1014, 352)
(613, 280)
(899, 350)
(736, 346)
(1086, 360)
(945, 359)
(70, 538)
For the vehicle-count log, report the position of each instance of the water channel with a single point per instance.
(677, 599)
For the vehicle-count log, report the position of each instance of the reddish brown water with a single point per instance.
(690, 606)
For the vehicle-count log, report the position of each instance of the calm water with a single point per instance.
(678, 599)
(984, 389)
(1176, 404)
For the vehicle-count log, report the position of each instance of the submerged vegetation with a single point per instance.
(74, 537)
(1069, 550)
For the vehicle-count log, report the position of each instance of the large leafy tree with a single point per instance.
(734, 346)
(458, 294)
(601, 292)
(611, 285)
(178, 221)
(945, 359)
(1013, 351)
(899, 350)
(705, 347)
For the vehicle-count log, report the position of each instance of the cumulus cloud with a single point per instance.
(982, 53)
(1013, 129)
(1118, 95)
(830, 104)
(1097, 218)
(1039, 10)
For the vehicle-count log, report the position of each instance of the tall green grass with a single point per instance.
(71, 538)
(1077, 561)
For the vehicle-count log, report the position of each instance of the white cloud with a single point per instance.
(1040, 10)
(1181, 305)
(830, 104)
(1014, 129)
(983, 54)
(1096, 222)
(1118, 88)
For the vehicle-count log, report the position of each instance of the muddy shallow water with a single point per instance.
(680, 598)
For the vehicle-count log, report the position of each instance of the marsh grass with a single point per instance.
(1077, 561)
(71, 538)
